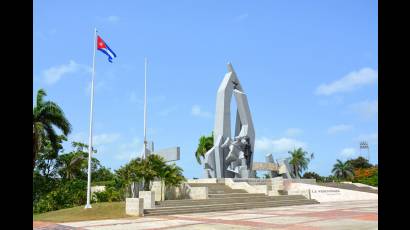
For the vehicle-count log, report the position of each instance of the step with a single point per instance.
(226, 191)
(224, 207)
(217, 188)
(212, 208)
(240, 203)
(168, 203)
(227, 195)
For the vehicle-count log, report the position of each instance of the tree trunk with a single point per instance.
(34, 151)
(296, 172)
(146, 185)
(34, 158)
(161, 189)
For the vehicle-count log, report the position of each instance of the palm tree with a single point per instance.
(343, 170)
(70, 165)
(73, 165)
(170, 175)
(299, 161)
(47, 114)
(205, 144)
(173, 176)
(146, 170)
(159, 166)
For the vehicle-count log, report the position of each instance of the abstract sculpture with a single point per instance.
(231, 158)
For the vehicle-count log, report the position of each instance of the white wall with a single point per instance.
(328, 194)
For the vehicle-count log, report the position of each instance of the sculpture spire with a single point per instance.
(231, 157)
(230, 68)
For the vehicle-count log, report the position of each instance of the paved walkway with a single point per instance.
(335, 215)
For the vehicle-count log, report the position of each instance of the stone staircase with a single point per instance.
(222, 198)
(218, 188)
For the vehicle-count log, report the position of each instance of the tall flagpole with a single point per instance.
(90, 138)
(145, 111)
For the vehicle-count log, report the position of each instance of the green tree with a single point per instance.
(148, 169)
(70, 165)
(159, 166)
(312, 175)
(267, 176)
(205, 144)
(137, 170)
(299, 161)
(360, 163)
(46, 157)
(173, 176)
(74, 165)
(65, 195)
(103, 174)
(46, 116)
(342, 170)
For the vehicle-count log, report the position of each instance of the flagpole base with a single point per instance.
(87, 206)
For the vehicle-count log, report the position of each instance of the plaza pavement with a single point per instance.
(331, 215)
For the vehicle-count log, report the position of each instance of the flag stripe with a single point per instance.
(103, 47)
(105, 52)
(109, 49)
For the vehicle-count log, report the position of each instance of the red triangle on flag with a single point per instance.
(100, 43)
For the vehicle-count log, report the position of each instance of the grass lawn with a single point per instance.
(106, 210)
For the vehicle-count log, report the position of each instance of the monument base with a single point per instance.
(134, 206)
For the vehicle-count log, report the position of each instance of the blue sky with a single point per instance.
(309, 69)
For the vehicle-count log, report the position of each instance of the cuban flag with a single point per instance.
(103, 47)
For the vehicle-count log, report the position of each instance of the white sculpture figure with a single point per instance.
(231, 158)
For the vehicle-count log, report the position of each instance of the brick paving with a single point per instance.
(336, 215)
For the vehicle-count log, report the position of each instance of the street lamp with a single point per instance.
(365, 145)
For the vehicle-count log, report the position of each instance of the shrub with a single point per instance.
(367, 176)
(101, 196)
(109, 195)
(67, 194)
(312, 175)
(42, 186)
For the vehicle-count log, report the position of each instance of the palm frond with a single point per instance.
(51, 112)
(40, 94)
(52, 136)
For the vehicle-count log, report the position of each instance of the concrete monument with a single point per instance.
(231, 157)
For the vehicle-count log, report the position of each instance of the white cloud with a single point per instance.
(196, 111)
(105, 138)
(351, 81)
(78, 137)
(165, 112)
(113, 18)
(371, 138)
(241, 17)
(98, 86)
(129, 150)
(366, 109)
(348, 152)
(109, 19)
(54, 74)
(293, 132)
(282, 145)
(45, 35)
(133, 97)
(98, 139)
(52, 31)
(339, 128)
(335, 100)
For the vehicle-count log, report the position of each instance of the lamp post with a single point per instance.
(365, 145)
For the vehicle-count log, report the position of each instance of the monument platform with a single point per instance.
(221, 197)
